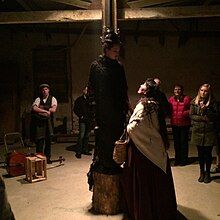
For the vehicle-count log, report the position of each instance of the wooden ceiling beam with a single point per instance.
(75, 3)
(95, 15)
(147, 3)
(170, 13)
(50, 16)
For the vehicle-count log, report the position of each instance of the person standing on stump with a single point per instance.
(107, 82)
(108, 85)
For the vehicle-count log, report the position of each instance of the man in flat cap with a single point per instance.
(43, 109)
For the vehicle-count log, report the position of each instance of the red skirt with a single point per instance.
(149, 193)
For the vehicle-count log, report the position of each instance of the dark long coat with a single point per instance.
(203, 131)
(107, 82)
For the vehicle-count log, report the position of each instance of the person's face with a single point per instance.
(204, 91)
(113, 53)
(142, 89)
(157, 81)
(45, 91)
(85, 91)
(177, 91)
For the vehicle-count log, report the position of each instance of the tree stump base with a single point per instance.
(106, 194)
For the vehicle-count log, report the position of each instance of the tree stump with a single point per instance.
(106, 194)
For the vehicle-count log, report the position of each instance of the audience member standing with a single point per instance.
(165, 110)
(43, 109)
(180, 122)
(84, 109)
(203, 114)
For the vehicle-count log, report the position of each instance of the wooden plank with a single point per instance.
(76, 3)
(170, 13)
(96, 15)
(50, 16)
(147, 3)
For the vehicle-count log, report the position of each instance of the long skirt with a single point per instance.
(148, 191)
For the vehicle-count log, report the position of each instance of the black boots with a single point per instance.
(207, 178)
(202, 176)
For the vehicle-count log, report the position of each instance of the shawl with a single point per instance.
(144, 130)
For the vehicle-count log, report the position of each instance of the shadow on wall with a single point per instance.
(190, 213)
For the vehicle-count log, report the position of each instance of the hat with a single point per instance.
(110, 37)
(44, 85)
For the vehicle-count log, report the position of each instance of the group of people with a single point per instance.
(202, 114)
(146, 179)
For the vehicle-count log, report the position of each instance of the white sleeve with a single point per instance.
(36, 102)
(54, 101)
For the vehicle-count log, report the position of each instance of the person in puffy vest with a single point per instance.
(180, 122)
(43, 109)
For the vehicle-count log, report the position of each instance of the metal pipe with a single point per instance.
(109, 15)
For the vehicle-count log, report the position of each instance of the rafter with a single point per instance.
(147, 3)
(76, 3)
(170, 13)
(94, 15)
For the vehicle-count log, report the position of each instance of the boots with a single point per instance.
(207, 178)
(202, 177)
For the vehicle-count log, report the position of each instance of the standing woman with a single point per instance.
(180, 122)
(204, 114)
(147, 179)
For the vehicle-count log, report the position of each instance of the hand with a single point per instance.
(202, 105)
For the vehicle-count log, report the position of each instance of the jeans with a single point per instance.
(83, 138)
(181, 147)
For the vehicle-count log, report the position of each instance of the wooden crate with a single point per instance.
(36, 168)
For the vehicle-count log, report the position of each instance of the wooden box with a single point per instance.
(36, 168)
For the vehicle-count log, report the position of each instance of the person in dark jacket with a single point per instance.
(84, 109)
(203, 114)
(216, 166)
(180, 122)
(108, 84)
(43, 109)
(165, 111)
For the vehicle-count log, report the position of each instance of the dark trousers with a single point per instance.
(181, 146)
(43, 145)
(83, 138)
(205, 158)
